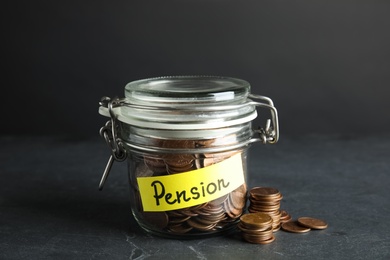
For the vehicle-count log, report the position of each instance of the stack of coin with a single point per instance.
(256, 228)
(266, 200)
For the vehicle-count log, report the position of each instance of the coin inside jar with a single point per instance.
(157, 219)
(202, 218)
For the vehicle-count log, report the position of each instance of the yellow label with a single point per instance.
(182, 190)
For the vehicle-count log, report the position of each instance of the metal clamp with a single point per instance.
(110, 133)
(269, 134)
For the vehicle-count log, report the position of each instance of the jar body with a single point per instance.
(209, 191)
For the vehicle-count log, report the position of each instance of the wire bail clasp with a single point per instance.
(110, 134)
(269, 134)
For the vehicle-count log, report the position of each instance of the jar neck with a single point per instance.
(186, 141)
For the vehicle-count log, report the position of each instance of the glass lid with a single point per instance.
(187, 90)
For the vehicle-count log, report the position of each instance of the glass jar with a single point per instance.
(186, 140)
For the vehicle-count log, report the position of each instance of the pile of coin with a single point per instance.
(265, 212)
(207, 217)
(267, 200)
(304, 224)
(256, 228)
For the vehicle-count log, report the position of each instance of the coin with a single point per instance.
(204, 143)
(143, 171)
(259, 237)
(154, 162)
(263, 242)
(179, 228)
(256, 220)
(200, 226)
(294, 227)
(177, 220)
(312, 223)
(285, 217)
(256, 240)
(231, 210)
(218, 201)
(256, 207)
(238, 199)
(157, 219)
(264, 192)
(178, 144)
(277, 228)
(249, 230)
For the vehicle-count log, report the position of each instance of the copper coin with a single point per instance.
(199, 206)
(263, 208)
(218, 201)
(204, 143)
(256, 220)
(264, 192)
(203, 222)
(157, 219)
(285, 217)
(234, 213)
(259, 241)
(259, 237)
(211, 209)
(178, 144)
(250, 230)
(180, 228)
(179, 160)
(277, 228)
(238, 199)
(275, 213)
(188, 212)
(294, 227)
(312, 223)
(271, 199)
(217, 214)
(214, 218)
(200, 226)
(154, 162)
(230, 210)
(264, 202)
(272, 239)
(176, 213)
(176, 220)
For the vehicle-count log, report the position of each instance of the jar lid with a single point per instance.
(186, 102)
(187, 90)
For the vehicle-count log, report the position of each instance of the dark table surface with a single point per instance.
(50, 206)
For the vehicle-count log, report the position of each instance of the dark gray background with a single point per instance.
(326, 64)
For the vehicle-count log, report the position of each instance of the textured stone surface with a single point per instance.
(50, 206)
